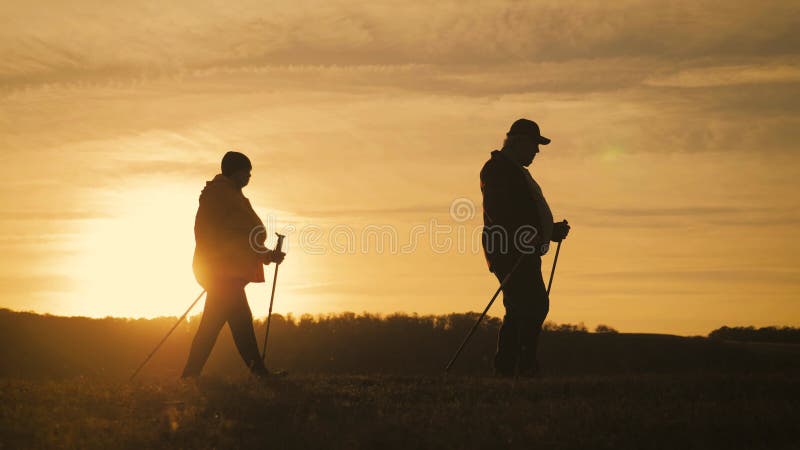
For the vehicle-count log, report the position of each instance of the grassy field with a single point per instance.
(63, 385)
(700, 410)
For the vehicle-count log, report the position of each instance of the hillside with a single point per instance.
(41, 346)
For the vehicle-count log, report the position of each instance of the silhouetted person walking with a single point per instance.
(518, 223)
(229, 253)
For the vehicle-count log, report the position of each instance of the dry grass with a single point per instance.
(701, 410)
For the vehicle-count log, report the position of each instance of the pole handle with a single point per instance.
(279, 245)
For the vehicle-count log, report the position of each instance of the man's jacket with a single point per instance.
(509, 204)
(222, 232)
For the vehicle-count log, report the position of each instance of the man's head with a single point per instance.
(523, 140)
(237, 167)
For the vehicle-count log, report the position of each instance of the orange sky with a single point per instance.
(675, 158)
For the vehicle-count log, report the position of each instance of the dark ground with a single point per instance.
(701, 410)
(63, 384)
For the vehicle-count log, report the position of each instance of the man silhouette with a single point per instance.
(229, 253)
(518, 227)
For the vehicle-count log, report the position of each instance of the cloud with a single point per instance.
(441, 209)
(63, 43)
(373, 290)
(155, 168)
(23, 284)
(729, 76)
(720, 216)
(51, 215)
(783, 277)
(688, 211)
(656, 76)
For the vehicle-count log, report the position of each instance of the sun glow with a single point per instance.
(612, 153)
(138, 262)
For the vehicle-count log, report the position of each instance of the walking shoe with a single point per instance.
(531, 372)
(266, 374)
(277, 373)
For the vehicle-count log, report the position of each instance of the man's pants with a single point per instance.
(225, 302)
(527, 304)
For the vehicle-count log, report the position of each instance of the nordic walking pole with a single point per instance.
(475, 327)
(553, 270)
(555, 261)
(165, 337)
(278, 247)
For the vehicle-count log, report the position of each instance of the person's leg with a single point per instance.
(536, 307)
(507, 345)
(240, 321)
(510, 336)
(214, 317)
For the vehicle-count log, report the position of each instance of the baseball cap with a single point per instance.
(527, 127)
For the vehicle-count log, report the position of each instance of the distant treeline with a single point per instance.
(752, 334)
(36, 346)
